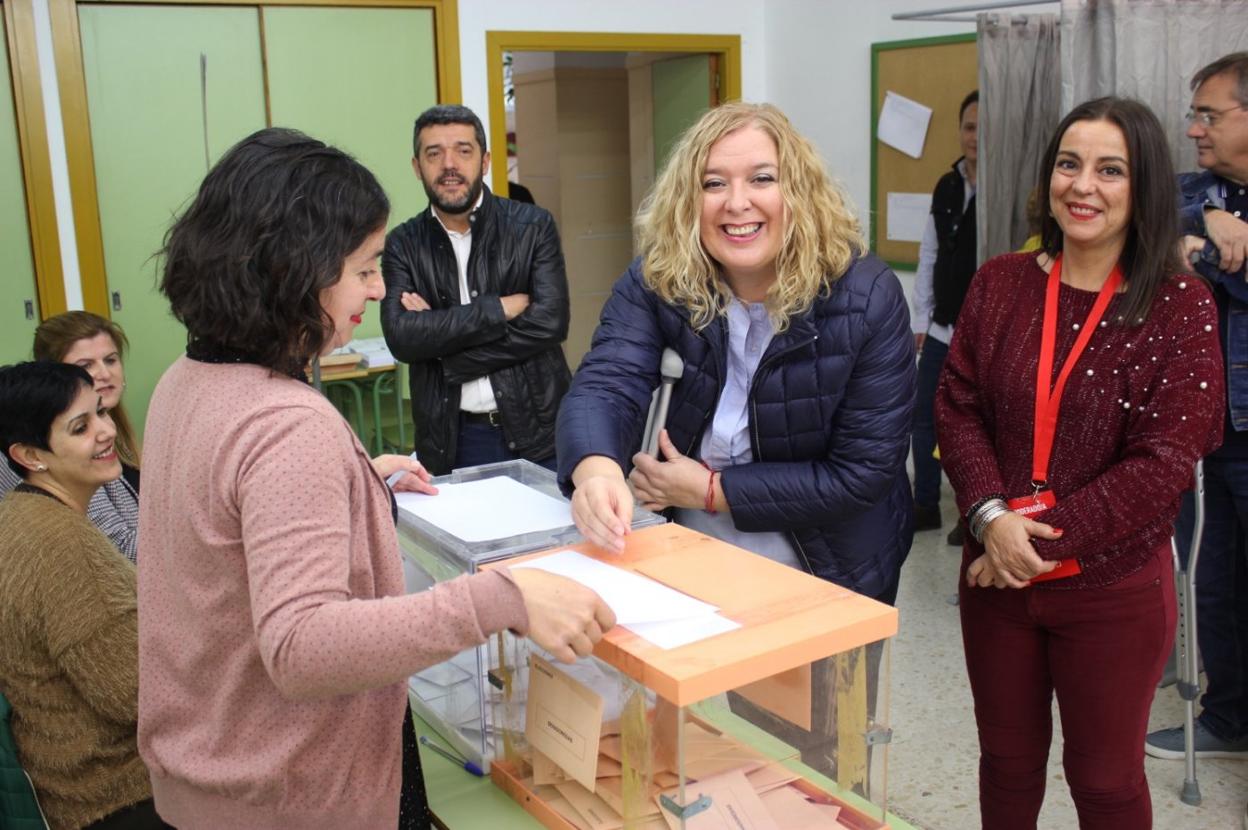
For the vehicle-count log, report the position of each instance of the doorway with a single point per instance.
(587, 120)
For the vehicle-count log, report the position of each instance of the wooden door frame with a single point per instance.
(32, 144)
(726, 48)
(71, 80)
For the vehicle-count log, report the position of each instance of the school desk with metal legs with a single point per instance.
(346, 390)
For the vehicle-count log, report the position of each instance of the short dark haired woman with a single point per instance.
(98, 346)
(1082, 385)
(276, 638)
(67, 605)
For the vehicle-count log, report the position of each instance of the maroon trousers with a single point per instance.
(1102, 651)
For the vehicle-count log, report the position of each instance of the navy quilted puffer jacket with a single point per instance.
(830, 412)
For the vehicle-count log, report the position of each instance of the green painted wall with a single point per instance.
(356, 78)
(682, 91)
(154, 132)
(16, 332)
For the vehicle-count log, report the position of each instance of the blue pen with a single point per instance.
(460, 762)
(394, 477)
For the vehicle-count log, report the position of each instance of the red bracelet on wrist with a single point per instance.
(709, 505)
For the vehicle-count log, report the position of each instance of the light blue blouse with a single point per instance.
(726, 443)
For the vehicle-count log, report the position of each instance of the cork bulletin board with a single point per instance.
(937, 72)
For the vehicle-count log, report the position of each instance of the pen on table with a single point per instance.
(457, 761)
(394, 477)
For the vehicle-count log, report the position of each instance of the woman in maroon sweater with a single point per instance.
(1082, 385)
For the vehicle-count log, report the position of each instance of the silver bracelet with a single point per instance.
(989, 512)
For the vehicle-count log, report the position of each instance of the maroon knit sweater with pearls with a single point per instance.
(1143, 403)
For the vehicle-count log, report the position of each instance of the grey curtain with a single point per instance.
(1019, 95)
(1147, 49)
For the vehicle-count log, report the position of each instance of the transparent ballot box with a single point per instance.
(482, 514)
(778, 723)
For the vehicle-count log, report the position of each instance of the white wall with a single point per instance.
(818, 59)
(819, 72)
(703, 17)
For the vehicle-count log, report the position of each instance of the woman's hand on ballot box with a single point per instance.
(416, 478)
(565, 617)
(602, 504)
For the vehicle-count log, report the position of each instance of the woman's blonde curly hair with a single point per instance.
(821, 234)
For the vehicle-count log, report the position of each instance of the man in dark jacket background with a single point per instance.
(946, 265)
(477, 303)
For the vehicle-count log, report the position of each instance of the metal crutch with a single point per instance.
(671, 367)
(1188, 682)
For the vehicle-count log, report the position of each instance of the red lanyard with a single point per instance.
(1048, 404)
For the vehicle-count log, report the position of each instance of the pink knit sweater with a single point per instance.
(274, 634)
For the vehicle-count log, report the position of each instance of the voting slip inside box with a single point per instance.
(776, 724)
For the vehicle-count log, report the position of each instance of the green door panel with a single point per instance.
(356, 78)
(682, 91)
(18, 280)
(169, 89)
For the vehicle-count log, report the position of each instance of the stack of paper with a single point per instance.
(339, 358)
(660, 614)
(374, 350)
(488, 509)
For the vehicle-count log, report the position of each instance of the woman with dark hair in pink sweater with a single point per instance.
(1082, 385)
(275, 637)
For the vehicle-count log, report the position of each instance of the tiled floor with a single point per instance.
(934, 754)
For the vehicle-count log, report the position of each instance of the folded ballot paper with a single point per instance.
(374, 351)
(653, 611)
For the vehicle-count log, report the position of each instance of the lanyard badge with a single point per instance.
(1049, 400)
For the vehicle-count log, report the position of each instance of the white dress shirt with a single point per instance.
(475, 395)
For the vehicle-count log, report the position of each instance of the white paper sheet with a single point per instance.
(633, 598)
(903, 124)
(488, 509)
(907, 215)
(677, 633)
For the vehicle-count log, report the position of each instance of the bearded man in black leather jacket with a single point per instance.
(477, 303)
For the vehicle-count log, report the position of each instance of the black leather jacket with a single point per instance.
(515, 250)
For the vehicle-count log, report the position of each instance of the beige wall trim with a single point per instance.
(727, 47)
(67, 46)
(32, 136)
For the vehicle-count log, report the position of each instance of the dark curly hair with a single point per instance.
(268, 231)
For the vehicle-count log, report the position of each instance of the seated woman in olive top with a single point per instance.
(68, 613)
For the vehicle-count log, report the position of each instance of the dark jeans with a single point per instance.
(141, 816)
(484, 444)
(1101, 650)
(923, 440)
(1221, 594)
